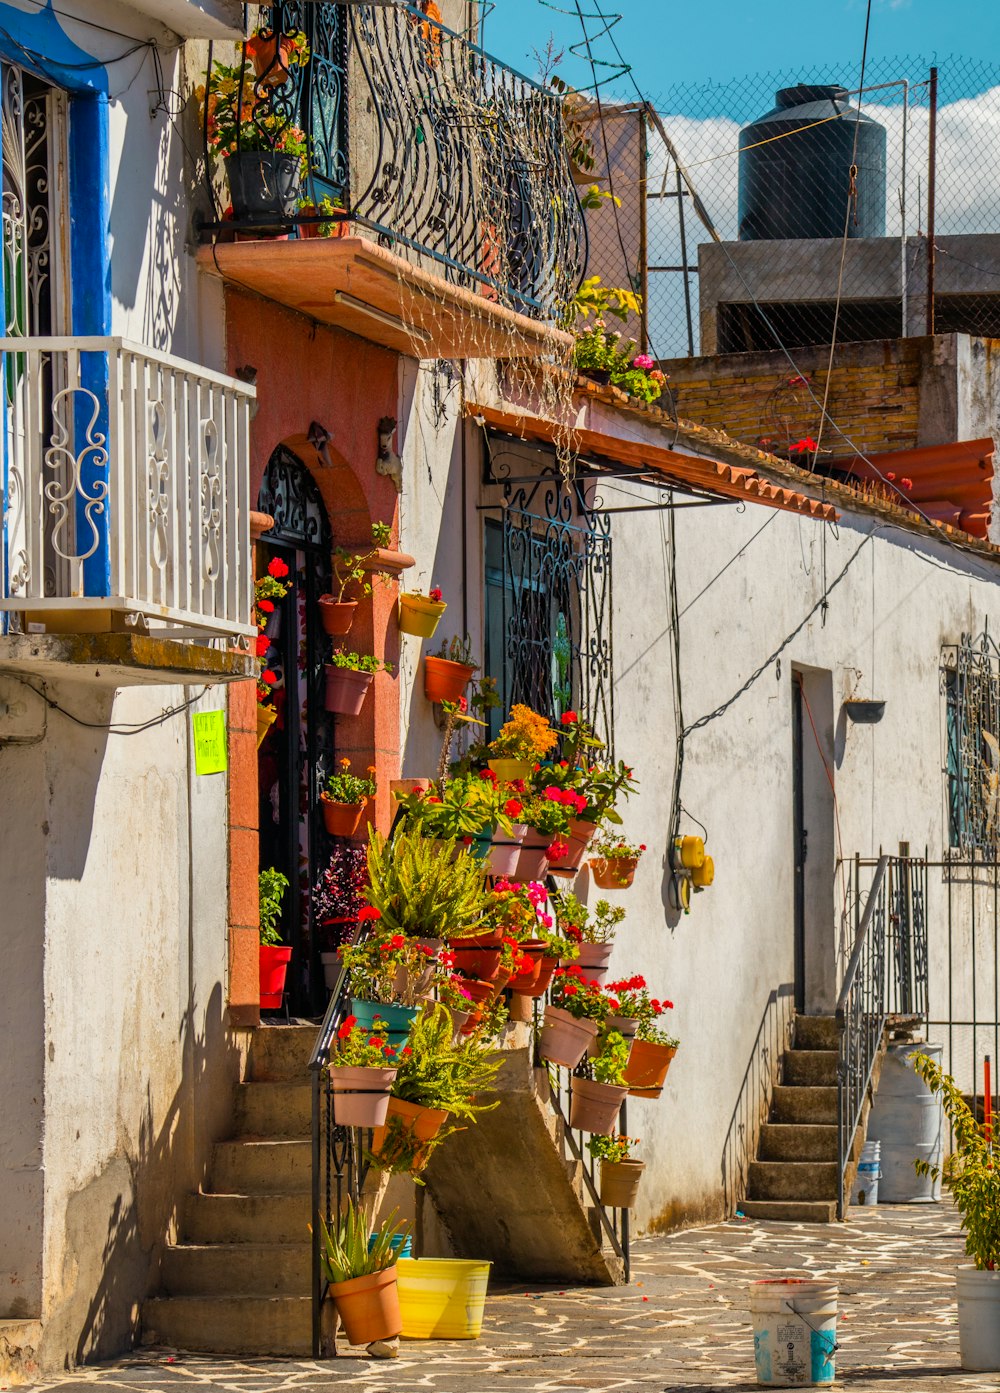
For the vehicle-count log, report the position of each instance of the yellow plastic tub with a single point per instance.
(442, 1298)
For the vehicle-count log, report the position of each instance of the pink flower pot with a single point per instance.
(346, 690)
(594, 1107)
(532, 861)
(594, 960)
(360, 1096)
(564, 1039)
(505, 852)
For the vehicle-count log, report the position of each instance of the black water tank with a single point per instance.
(799, 186)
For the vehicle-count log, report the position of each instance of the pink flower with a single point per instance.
(643, 361)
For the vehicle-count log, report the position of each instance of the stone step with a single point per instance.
(792, 1180)
(798, 1141)
(798, 1104)
(809, 1068)
(792, 1211)
(280, 1053)
(237, 1269)
(817, 1033)
(272, 1167)
(264, 1325)
(215, 1218)
(273, 1110)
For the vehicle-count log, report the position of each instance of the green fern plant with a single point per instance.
(970, 1173)
(422, 887)
(438, 1073)
(344, 1247)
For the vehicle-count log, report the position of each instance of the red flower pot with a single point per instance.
(336, 616)
(502, 980)
(346, 690)
(480, 992)
(489, 939)
(445, 680)
(419, 1124)
(270, 63)
(342, 819)
(581, 834)
(273, 968)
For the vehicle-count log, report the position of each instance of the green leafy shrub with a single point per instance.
(271, 887)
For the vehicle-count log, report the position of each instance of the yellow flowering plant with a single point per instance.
(524, 735)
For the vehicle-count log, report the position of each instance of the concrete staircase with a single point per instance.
(795, 1175)
(238, 1280)
(509, 1190)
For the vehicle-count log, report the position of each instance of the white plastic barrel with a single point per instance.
(909, 1122)
(865, 1187)
(979, 1319)
(794, 1331)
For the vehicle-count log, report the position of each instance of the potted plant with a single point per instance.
(421, 892)
(545, 841)
(268, 591)
(362, 1274)
(595, 1101)
(362, 1071)
(390, 976)
(593, 932)
(338, 897)
(524, 739)
(620, 1171)
(972, 1176)
(332, 210)
(344, 799)
(464, 810)
(263, 151)
(572, 1019)
(589, 788)
(652, 1051)
(348, 678)
(448, 672)
(274, 956)
(454, 993)
(274, 54)
(630, 1005)
(603, 355)
(439, 1078)
(614, 863)
(337, 614)
(420, 614)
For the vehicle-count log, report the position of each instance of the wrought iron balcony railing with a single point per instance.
(414, 133)
(127, 487)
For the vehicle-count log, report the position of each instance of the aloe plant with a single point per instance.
(421, 887)
(344, 1250)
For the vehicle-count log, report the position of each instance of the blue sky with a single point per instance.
(708, 40)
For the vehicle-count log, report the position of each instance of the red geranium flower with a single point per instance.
(488, 775)
(277, 568)
(269, 677)
(435, 595)
(263, 644)
(405, 1052)
(375, 1040)
(906, 483)
(557, 851)
(369, 913)
(569, 718)
(512, 807)
(265, 606)
(397, 941)
(463, 705)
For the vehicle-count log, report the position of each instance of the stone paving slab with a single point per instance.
(681, 1325)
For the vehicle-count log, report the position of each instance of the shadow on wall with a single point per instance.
(136, 1200)
(753, 1104)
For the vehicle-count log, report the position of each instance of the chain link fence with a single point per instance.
(731, 249)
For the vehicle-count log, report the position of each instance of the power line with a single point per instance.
(113, 727)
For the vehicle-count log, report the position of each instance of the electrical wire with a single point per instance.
(114, 727)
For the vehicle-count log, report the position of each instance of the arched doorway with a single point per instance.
(298, 752)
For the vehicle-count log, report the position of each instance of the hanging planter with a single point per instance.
(647, 1067)
(533, 859)
(594, 959)
(273, 969)
(341, 819)
(525, 982)
(419, 615)
(419, 1124)
(263, 185)
(398, 1019)
(483, 964)
(507, 770)
(336, 616)
(594, 1107)
(272, 58)
(480, 993)
(625, 1025)
(266, 717)
(864, 713)
(614, 873)
(564, 1039)
(360, 1096)
(445, 680)
(620, 1183)
(346, 689)
(505, 851)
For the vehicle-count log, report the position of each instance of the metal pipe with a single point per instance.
(931, 197)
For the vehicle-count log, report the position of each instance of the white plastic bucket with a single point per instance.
(908, 1119)
(979, 1319)
(794, 1331)
(865, 1187)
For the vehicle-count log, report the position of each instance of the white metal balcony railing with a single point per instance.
(127, 486)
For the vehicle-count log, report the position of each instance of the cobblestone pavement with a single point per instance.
(681, 1325)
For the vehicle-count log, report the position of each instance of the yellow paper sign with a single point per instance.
(209, 742)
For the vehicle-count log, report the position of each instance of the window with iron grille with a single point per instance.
(972, 709)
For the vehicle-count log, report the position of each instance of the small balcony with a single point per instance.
(388, 176)
(127, 499)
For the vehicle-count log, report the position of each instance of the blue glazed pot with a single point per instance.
(398, 1019)
(481, 844)
(402, 1244)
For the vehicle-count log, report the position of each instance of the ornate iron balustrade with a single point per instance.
(127, 485)
(972, 694)
(462, 160)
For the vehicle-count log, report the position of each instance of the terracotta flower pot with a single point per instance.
(620, 1183)
(594, 1107)
(502, 980)
(338, 218)
(617, 873)
(490, 938)
(472, 1023)
(505, 851)
(346, 690)
(342, 819)
(480, 963)
(273, 968)
(270, 63)
(581, 834)
(521, 1007)
(647, 1068)
(266, 717)
(625, 1025)
(594, 959)
(419, 616)
(479, 992)
(419, 1124)
(360, 1096)
(369, 1307)
(545, 970)
(532, 861)
(564, 1039)
(445, 680)
(336, 616)
(507, 770)
(527, 981)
